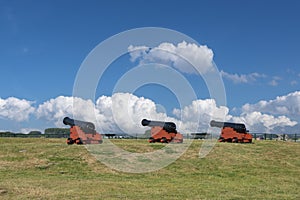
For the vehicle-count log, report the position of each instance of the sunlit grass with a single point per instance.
(50, 169)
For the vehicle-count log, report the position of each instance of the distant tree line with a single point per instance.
(48, 133)
(57, 132)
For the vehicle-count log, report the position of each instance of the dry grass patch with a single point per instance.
(50, 169)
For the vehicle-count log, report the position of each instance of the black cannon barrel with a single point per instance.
(218, 124)
(238, 127)
(170, 127)
(86, 126)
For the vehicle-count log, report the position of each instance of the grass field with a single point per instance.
(49, 169)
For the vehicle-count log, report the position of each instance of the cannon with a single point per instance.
(232, 132)
(167, 126)
(163, 132)
(238, 127)
(86, 126)
(82, 132)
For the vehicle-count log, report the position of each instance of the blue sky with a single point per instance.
(255, 46)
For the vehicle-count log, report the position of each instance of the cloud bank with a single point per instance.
(258, 122)
(123, 112)
(288, 105)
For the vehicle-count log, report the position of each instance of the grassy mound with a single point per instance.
(49, 169)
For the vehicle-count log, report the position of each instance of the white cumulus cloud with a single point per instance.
(280, 113)
(176, 55)
(288, 105)
(16, 109)
(55, 109)
(258, 122)
(197, 116)
(123, 112)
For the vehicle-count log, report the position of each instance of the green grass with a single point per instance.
(50, 169)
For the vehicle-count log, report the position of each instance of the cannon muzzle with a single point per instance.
(170, 127)
(214, 123)
(85, 126)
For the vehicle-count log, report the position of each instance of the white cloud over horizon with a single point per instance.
(288, 105)
(197, 116)
(16, 109)
(123, 112)
(258, 122)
